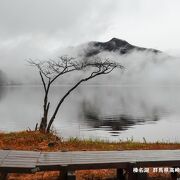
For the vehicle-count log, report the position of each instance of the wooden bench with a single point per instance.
(67, 162)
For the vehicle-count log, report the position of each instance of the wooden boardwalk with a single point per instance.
(32, 161)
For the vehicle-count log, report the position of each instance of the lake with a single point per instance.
(99, 112)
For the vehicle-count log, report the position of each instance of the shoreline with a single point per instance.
(35, 140)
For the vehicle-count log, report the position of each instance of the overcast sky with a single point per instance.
(38, 28)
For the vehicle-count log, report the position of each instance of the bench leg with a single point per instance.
(131, 174)
(67, 175)
(63, 175)
(120, 174)
(174, 175)
(3, 176)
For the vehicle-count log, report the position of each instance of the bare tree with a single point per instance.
(51, 70)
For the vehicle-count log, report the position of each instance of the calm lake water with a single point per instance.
(100, 112)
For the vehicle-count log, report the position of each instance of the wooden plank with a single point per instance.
(26, 160)
(28, 154)
(115, 154)
(119, 155)
(19, 161)
(3, 154)
(95, 158)
(21, 166)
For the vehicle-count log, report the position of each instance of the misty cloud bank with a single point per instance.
(141, 68)
(146, 68)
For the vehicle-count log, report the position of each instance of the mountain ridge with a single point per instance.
(115, 45)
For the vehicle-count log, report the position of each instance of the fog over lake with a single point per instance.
(140, 101)
(105, 112)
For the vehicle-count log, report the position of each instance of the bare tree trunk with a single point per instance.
(43, 124)
(44, 119)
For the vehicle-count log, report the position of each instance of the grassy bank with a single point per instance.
(30, 140)
(34, 140)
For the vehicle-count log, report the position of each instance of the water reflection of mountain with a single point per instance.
(113, 123)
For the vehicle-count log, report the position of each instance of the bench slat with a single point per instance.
(27, 160)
